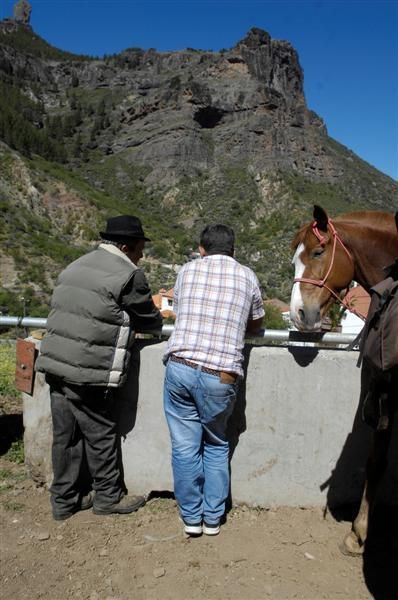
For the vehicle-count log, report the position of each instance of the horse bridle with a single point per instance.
(322, 282)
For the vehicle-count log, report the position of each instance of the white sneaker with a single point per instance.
(193, 529)
(211, 529)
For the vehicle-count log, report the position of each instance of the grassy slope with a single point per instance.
(42, 232)
(263, 234)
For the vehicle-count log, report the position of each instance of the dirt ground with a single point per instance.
(283, 553)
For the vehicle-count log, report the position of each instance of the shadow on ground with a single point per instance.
(11, 430)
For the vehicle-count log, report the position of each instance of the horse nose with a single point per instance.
(310, 318)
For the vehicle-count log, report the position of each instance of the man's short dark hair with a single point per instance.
(218, 239)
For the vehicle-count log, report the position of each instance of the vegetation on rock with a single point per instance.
(179, 139)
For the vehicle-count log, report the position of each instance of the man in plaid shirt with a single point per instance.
(217, 301)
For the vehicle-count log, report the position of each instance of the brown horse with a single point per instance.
(329, 254)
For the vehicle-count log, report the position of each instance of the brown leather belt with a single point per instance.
(232, 377)
(193, 365)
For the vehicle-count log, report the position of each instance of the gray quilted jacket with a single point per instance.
(99, 301)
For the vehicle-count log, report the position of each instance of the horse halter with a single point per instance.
(322, 282)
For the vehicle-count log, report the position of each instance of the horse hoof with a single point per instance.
(351, 545)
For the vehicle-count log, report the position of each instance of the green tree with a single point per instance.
(273, 318)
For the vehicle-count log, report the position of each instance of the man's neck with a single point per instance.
(117, 251)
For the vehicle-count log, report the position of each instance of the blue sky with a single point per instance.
(347, 48)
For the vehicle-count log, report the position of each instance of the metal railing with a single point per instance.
(280, 336)
(40, 323)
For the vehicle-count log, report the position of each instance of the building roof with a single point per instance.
(281, 306)
(163, 293)
(167, 293)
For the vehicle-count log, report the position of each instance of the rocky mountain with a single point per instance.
(179, 138)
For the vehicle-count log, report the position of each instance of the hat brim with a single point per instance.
(114, 237)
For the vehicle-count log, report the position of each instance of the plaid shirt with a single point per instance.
(213, 299)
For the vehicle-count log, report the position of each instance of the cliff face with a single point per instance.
(181, 138)
(188, 111)
(191, 110)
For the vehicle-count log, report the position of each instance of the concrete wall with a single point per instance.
(295, 433)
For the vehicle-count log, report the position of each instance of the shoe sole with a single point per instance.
(118, 511)
(63, 517)
(193, 530)
(211, 530)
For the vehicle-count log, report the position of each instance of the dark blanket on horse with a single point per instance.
(379, 352)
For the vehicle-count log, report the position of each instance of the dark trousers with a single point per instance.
(84, 431)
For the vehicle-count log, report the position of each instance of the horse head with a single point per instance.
(323, 270)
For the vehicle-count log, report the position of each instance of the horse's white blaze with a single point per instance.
(296, 300)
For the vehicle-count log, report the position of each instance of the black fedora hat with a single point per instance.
(123, 228)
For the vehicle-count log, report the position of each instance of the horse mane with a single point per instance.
(376, 220)
(299, 236)
(382, 224)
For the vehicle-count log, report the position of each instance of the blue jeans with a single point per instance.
(197, 407)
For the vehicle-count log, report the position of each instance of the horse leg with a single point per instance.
(375, 467)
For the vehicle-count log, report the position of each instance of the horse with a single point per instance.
(329, 254)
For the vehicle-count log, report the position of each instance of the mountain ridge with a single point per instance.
(178, 138)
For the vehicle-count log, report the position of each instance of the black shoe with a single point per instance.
(126, 505)
(85, 503)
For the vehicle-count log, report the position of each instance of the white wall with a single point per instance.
(351, 323)
(299, 441)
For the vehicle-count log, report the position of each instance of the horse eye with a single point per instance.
(318, 252)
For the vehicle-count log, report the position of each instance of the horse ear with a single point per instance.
(321, 218)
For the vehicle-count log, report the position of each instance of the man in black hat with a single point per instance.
(98, 304)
